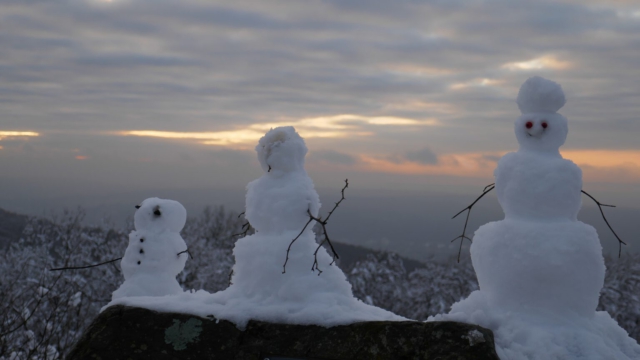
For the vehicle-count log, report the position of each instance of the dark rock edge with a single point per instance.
(122, 332)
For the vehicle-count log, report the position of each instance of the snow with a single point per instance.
(277, 206)
(151, 261)
(538, 94)
(540, 271)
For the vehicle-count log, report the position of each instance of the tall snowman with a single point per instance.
(278, 206)
(156, 252)
(540, 270)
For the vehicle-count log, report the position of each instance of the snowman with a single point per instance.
(540, 270)
(156, 253)
(278, 205)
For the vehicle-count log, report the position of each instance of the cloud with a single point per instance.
(332, 156)
(424, 156)
(17, 134)
(337, 126)
(540, 63)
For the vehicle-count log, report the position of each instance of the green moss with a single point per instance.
(179, 335)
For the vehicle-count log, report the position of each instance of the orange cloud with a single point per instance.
(335, 126)
(611, 166)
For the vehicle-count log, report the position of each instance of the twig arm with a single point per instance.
(600, 205)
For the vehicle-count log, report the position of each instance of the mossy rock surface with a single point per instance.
(133, 333)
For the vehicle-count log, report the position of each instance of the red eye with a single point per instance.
(529, 125)
(544, 125)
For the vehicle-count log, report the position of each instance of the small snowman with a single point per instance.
(540, 270)
(156, 253)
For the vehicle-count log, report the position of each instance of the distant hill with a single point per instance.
(350, 254)
(11, 227)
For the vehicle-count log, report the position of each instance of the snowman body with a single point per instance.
(540, 270)
(151, 261)
(278, 205)
(555, 262)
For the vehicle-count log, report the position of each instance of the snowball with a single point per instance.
(535, 187)
(539, 266)
(277, 202)
(541, 132)
(160, 215)
(151, 263)
(281, 150)
(538, 94)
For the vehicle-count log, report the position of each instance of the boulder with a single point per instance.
(122, 332)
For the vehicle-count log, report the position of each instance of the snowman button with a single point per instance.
(138, 262)
(141, 251)
(141, 240)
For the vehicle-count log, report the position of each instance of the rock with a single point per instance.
(122, 332)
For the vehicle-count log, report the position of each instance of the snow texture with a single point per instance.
(151, 261)
(540, 271)
(276, 206)
(538, 94)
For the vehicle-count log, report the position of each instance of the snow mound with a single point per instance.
(278, 206)
(539, 336)
(539, 95)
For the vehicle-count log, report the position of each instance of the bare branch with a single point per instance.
(346, 185)
(186, 251)
(600, 205)
(462, 237)
(323, 224)
(85, 267)
(284, 267)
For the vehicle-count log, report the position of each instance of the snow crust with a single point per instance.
(540, 271)
(151, 262)
(276, 206)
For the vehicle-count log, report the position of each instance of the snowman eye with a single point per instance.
(544, 125)
(529, 125)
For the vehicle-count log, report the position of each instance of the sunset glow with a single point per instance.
(544, 62)
(338, 126)
(12, 134)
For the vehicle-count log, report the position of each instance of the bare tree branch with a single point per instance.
(85, 267)
(462, 237)
(600, 205)
(323, 224)
(246, 227)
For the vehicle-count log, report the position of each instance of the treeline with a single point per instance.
(42, 313)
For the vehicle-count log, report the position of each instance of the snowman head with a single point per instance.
(159, 215)
(540, 128)
(281, 150)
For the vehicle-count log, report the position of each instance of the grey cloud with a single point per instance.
(332, 156)
(423, 156)
(145, 64)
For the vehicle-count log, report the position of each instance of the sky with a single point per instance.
(103, 103)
